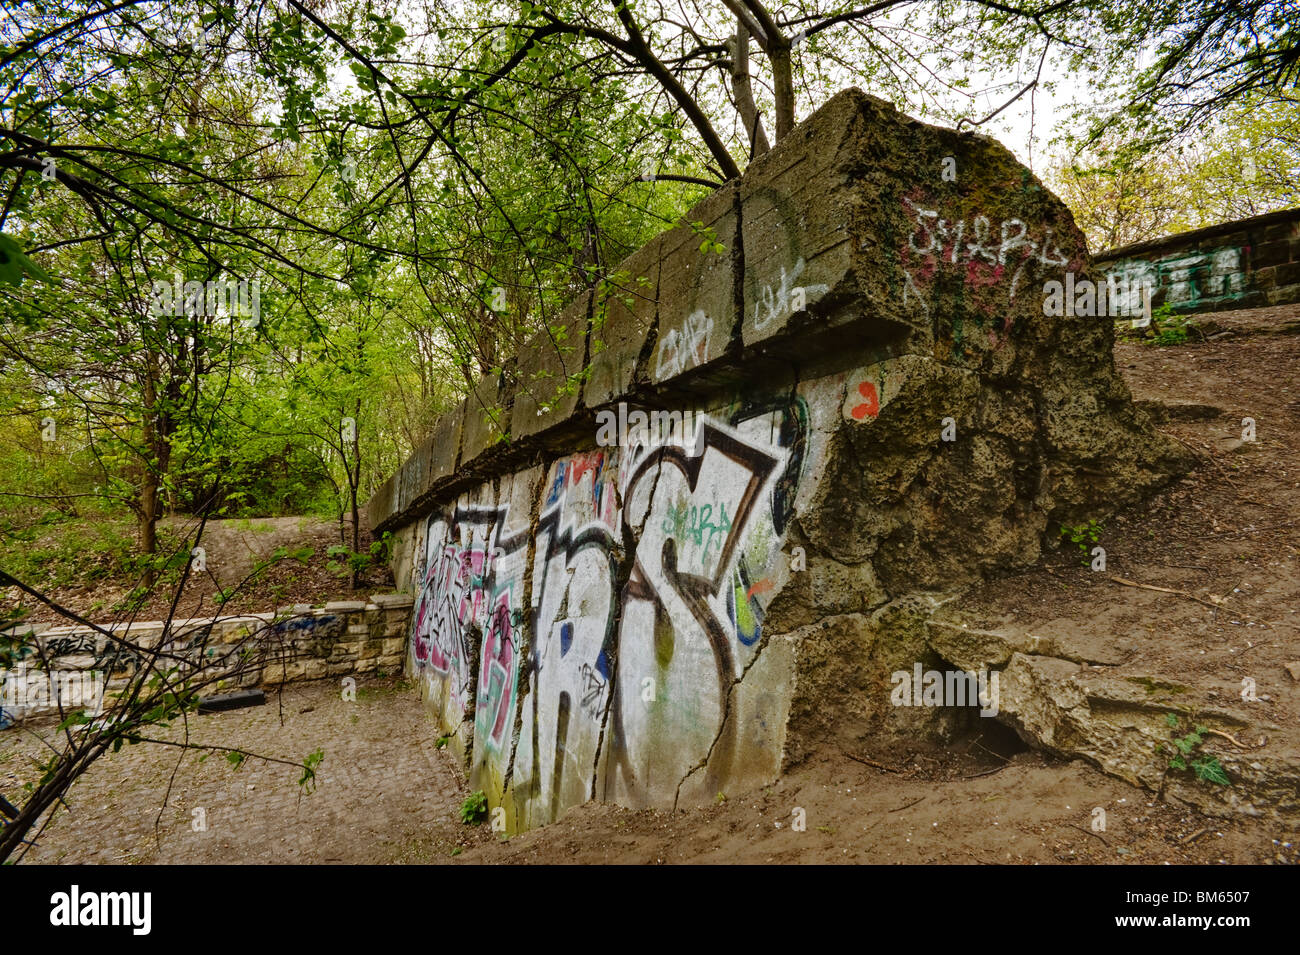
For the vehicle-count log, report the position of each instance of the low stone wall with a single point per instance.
(1245, 264)
(81, 668)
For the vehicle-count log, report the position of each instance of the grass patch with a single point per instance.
(63, 551)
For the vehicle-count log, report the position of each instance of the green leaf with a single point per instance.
(77, 718)
(308, 779)
(1211, 770)
(474, 809)
(13, 263)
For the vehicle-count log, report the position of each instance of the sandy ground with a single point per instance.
(386, 794)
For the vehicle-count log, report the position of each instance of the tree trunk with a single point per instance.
(354, 480)
(149, 484)
(744, 93)
(783, 86)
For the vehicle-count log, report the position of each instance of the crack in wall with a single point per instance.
(528, 645)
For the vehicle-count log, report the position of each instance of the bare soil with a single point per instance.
(386, 794)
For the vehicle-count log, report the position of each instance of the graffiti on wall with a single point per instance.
(785, 297)
(646, 564)
(1186, 279)
(990, 254)
(455, 592)
(684, 348)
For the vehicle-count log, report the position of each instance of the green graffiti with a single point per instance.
(697, 524)
(1187, 279)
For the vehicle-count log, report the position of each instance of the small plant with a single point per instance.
(308, 780)
(345, 562)
(474, 809)
(1170, 328)
(442, 741)
(1182, 753)
(1083, 536)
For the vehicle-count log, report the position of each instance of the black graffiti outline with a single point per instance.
(693, 589)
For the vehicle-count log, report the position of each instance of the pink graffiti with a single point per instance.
(497, 671)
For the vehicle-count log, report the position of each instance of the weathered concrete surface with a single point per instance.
(1244, 264)
(882, 415)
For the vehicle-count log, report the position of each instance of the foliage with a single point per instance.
(1246, 164)
(1167, 69)
(1170, 327)
(474, 809)
(308, 779)
(1187, 113)
(1181, 756)
(60, 551)
(1083, 536)
(348, 563)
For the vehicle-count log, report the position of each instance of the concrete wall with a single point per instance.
(80, 667)
(1245, 264)
(878, 408)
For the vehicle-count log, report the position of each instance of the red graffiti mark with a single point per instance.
(872, 404)
(581, 464)
(923, 271)
(983, 274)
(763, 586)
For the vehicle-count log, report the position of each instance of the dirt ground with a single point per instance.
(1228, 535)
(386, 794)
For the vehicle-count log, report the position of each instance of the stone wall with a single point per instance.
(857, 402)
(1245, 264)
(81, 668)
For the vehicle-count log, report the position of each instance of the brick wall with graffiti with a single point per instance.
(877, 408)
(47, 669)
(1250, 263)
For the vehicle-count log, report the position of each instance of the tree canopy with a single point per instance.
(406, 193)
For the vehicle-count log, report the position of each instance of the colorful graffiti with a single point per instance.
(641, 564)
(869, 407)
(457, 587)
(1187, 280)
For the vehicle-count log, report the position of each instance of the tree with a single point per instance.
(1171, 66)
(1246, 163)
